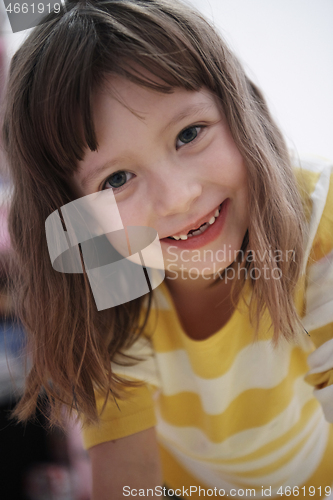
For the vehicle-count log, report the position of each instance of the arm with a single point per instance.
(130, 461)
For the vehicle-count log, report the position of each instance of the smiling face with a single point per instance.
(173, 165)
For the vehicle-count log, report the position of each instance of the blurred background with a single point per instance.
(286, 47)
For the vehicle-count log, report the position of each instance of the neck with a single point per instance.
(203, 307)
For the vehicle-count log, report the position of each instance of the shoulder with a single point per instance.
(315, 182)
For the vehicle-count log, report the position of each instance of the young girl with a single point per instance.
(206, 389)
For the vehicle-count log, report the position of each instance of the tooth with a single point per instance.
(183, 236)
(211, 220)
(190, 235)
(217, 213)
(203, 228)
(196, 233)
(176, 237)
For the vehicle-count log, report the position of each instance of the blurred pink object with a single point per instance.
(79, 462)
(4, 235)
(49, 482)
(5, 244)
(4, 186)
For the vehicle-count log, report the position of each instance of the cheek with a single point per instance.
(132, 213)
(226, 165)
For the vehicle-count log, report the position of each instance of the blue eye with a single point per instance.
(118, 179)
(188, 135)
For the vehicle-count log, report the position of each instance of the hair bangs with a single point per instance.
(74, 56)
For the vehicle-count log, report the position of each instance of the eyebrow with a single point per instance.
(190, 110)
(98, 170)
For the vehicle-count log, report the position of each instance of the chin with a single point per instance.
(191, 271)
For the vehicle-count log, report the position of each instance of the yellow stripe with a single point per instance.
(321, 335)
(306, 413)
(323, 242)
(170, 335)
(279, 463)
(324, 471)
(167, 337)
(221, 354)
(306, 181)
(135, 413)
(208, 357)
(243, 413)
(175, 476)
(320, 380)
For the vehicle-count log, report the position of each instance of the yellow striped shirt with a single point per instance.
(232, 413)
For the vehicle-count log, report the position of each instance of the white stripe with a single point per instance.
(331, 496)
(160, 301)
(318, 318)
(313, 163)
(299, 470)
(318, 198)
(321, 360)
(145, 370)
(220, 452)
(321, 282)
(319, 294)
(295, 472)
(195, 442)
(258, 365)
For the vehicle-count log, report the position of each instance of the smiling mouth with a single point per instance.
(200, 230)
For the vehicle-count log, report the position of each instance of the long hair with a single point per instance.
(47, 126)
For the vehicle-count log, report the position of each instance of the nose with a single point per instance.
(176, 191)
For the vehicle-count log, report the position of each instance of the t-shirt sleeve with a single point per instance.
(318, 320)
(134, 411)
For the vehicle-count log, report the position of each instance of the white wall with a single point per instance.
(287, 48)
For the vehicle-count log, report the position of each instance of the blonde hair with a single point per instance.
(48, 124)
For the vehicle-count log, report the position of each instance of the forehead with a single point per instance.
(120, 99)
